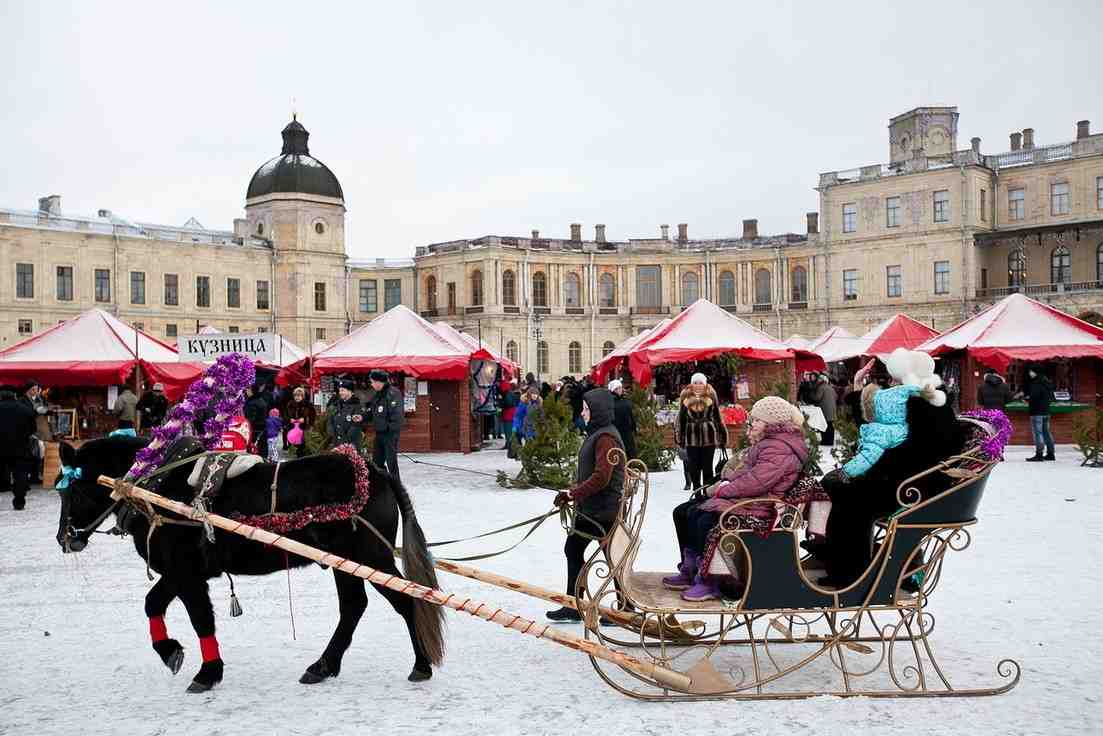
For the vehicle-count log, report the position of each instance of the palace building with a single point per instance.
(937, 232)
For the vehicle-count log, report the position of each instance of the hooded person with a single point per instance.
(768, 468)
(993, 392)
(624, 419)
(596, 492)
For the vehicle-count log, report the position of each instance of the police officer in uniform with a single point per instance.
(386, 409)
(346, 417)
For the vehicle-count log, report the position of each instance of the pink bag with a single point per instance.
(295, 435)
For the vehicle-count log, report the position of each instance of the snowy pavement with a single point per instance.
(75, 655)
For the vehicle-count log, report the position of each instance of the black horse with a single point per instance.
(186, 560)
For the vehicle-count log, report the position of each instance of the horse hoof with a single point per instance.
(199, 687)
(171, 653)
(209, 675)
(175, 661)
(417, 675)
(316, 673)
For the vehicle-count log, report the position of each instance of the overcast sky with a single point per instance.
(447, 120)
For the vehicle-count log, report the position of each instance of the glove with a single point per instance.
(562, 499)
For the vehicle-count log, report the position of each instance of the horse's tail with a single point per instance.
(417, 566)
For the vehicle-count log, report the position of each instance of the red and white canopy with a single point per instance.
(397, 340)
(96, 349)
(702, 331)
(837, 343)
(1020, 328)
(509, 368)
(604, 367)
(898, 331)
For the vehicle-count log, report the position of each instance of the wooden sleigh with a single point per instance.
(787, 637)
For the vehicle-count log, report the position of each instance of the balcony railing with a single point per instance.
(511, 309)
(1068, 287)
(1039, 155)
(575, 310)
(609, 310)
(798, 305)
(763, 308)
(473, 310)
(649, 310)
(429, 313)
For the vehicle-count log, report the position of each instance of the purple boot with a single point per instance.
(687, 569)
(704, 588)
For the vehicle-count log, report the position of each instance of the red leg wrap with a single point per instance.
(208, 646)
(157, 630)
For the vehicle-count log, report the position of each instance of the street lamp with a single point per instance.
(537, 334)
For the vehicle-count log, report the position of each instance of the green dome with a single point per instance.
(294, 170)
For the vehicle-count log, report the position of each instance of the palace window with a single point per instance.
(572, 291)
(262, 295)
(170, 330)
(172, 290)
(763, 288)
(942, 205)
(727, 288)
(392, 293)
(233, 293)
(892, 212)
(850, 217)
(1016, 204)
(24, 280)
(202, 291)
(1059, 199)
(942, 277)
(319, 296)
(799, 284)
(648, 286)
(25, 327)
(609, 347)
(509, 288)
(1099, 262)
(320, 334)
(893, 281)
(608, 286)
(451, 287)
(1099, 192)
(539, 289)
(369, 298)
(574, 357)
(850, 284)
(983, 205)
(137, 287)
(476, 288)
(690, 291)
(1060, 266)
(430, 294)
(542, 357)
(233, 329)
(102, 284)
(511, 351)
(65, 283)
(1016, 267)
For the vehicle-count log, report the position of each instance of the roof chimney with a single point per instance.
(576, 231)
(599, 233)
(50, 205)
(1083, 129)
(683, 232)
(976, 145)
(1016, 141)
(813, 222)
(535, 234)
(665, 230)
(750, 229)
(1028, 139)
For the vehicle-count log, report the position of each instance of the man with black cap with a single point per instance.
(153, 406)
(386, 409)
(346, 416)
(599, 482)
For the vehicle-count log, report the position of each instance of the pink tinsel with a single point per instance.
(993, 446)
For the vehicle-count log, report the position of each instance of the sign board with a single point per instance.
(208, 348)
(409, 396)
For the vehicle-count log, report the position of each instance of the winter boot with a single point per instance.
(1036, 459)
(687, 569)
(704, 589)
(1049, 456)
(564, 614)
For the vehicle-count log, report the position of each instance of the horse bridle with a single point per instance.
(84, 534)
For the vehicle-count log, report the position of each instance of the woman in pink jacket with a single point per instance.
(769, 468)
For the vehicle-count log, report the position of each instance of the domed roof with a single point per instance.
(294, 170)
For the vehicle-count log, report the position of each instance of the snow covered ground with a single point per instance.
(75, 654)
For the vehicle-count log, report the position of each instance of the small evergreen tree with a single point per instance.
(1088, 435)
(317, 439)
(846, 436)
(550, 458)
(651, 447)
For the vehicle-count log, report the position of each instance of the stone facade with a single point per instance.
(931, 234)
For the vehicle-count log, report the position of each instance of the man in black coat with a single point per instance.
(1039, 395)
(386, 409)
(993, 392)
(623, 417)
(17, 424)
(256, 412)
(153, 406)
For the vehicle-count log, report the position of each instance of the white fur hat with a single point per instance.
(615, 385)
(698, 378)
(916, 368)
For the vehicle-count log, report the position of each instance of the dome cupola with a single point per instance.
(294, 170)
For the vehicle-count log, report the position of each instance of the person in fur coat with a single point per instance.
(700, 429)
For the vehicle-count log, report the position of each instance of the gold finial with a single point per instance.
(294, 113)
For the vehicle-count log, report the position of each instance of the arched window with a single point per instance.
(431, 293)
(511, 351)
(799, 279)
(509, 288)
(689, 288)
(542, 357)
(476, 288)
(1099, 262)
(1060, 266)
(574, 357)
(609, 290)
(572, 289)
(539, 289)
(607, 348)
(762, 287)
(1016, 267)
(727, 288)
